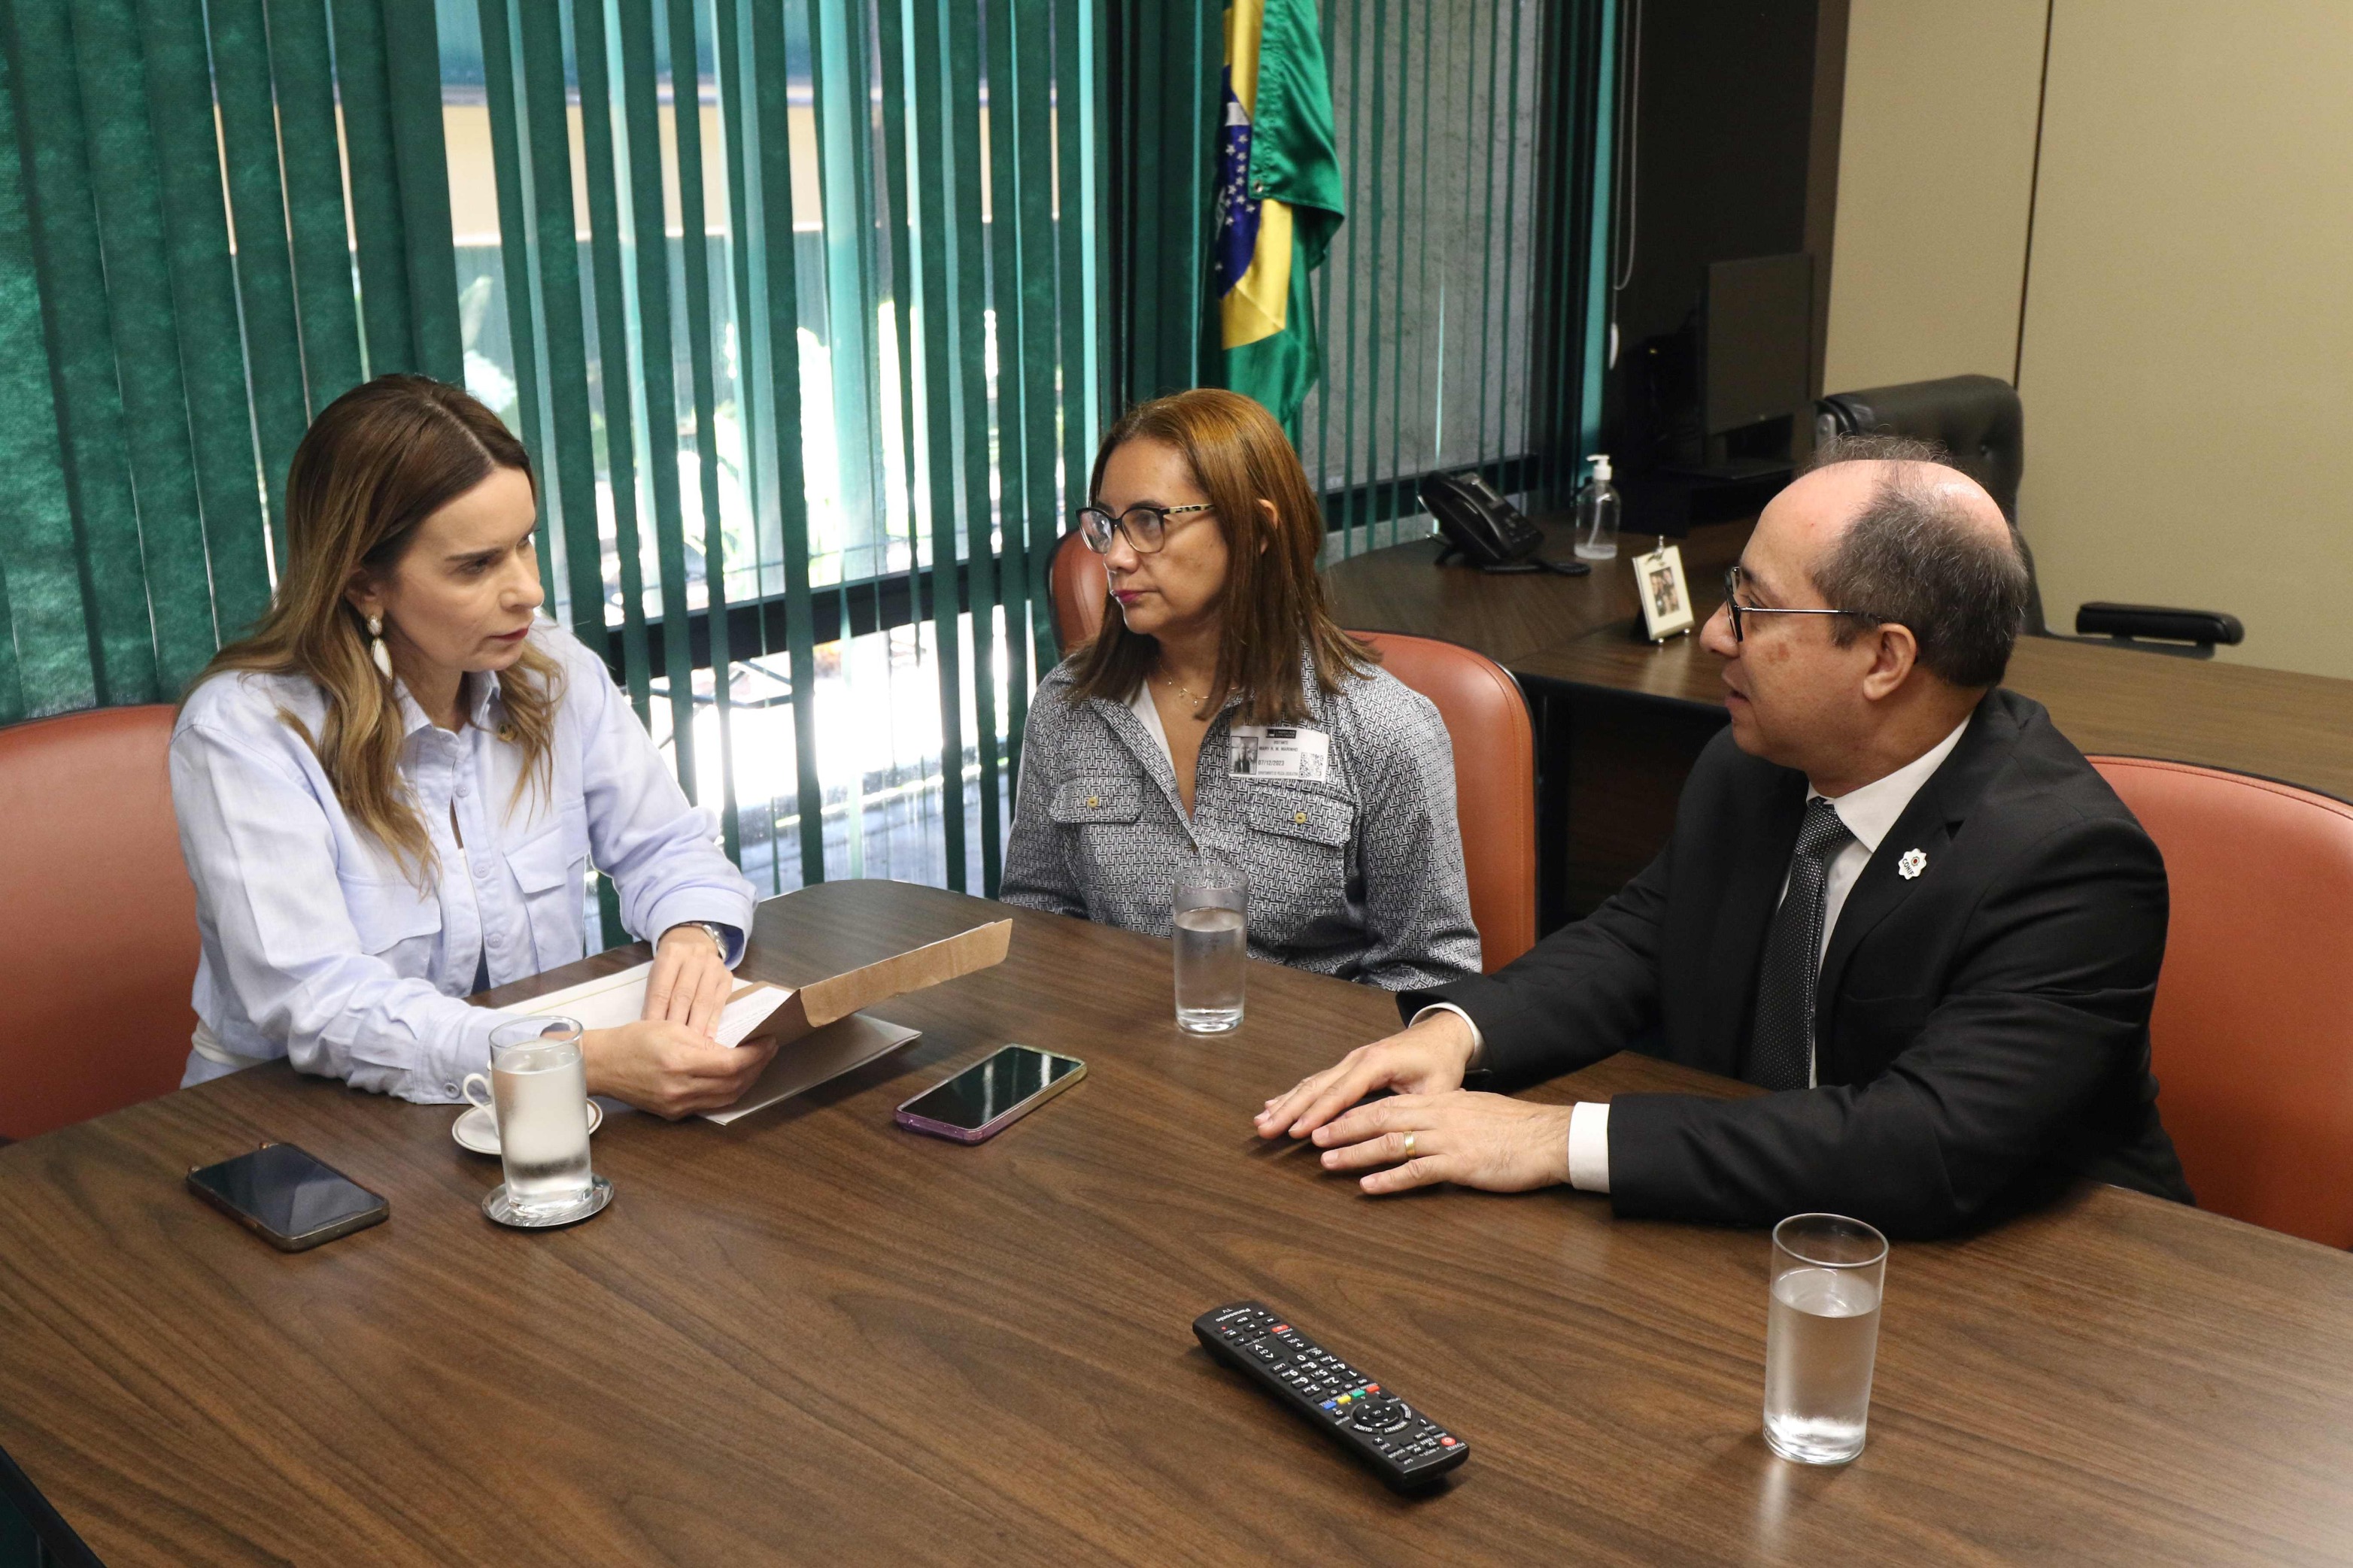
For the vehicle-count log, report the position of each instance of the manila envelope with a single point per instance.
(819, 1029)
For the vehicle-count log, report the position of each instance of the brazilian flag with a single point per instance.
(1279, 201)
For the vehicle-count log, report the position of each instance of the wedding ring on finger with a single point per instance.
(1409, 1146)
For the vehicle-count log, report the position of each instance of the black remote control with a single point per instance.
(1406, 1447)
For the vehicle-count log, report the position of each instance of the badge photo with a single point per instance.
(1665, 598)
(1277, 752)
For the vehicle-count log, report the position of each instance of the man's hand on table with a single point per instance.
(1486, 1141)
(1428, 1058)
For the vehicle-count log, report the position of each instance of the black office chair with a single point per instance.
(1980, 420)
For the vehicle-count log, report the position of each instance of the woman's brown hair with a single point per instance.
(375, 464)
(1272, 600)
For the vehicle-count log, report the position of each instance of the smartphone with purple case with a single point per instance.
(988, 1097)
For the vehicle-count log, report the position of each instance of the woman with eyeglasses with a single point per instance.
(1222, 708)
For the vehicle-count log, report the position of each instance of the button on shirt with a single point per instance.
(318, 946)
(1869, 813)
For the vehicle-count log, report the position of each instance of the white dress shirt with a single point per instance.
(1868, 811)
(1148, 711)
(319, 947)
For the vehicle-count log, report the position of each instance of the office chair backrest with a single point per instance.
(1495, 781)
(1977, 418)
(2251, 1035)
(1081, 589)
(98, 932)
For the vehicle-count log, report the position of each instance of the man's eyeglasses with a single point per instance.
(1733, 605)
(1146, 527)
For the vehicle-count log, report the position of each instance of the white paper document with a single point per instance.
(801, 1063)
(613, 1000)
(820, 1030)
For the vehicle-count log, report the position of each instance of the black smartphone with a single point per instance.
(988, 1097)
(289, 1199)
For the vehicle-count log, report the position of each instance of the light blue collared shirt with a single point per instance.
(318, 947)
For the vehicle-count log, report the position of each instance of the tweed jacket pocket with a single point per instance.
(1297, 814)
(1082, 802)
(1299, 858)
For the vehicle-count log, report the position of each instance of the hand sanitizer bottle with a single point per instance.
(1597, 512)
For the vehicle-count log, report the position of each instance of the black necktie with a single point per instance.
(1781, 1048)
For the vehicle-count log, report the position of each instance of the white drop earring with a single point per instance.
(376, 650)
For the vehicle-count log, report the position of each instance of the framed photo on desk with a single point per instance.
(1663, 594)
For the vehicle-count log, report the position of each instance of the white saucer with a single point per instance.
(478, 1130)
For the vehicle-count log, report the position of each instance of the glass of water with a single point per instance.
(1821, 1336)
(538, 1090)
(1211, 919)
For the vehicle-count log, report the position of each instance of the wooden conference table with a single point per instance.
(814, 1338)
(1622, 720)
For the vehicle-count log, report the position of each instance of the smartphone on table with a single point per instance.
(988, 1097)
(291, 1199)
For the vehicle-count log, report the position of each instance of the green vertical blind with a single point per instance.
(1452, 303)
(792, 303)
(186, 276)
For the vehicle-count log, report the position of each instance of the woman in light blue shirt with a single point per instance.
(389, 795)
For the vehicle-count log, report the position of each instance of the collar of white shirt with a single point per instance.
(482, 687)
(1148, 711)
(1869, 811)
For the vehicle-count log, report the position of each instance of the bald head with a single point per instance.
(1903, 536)
(1840, 490)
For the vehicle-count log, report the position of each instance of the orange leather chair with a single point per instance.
(98, 932)
(1080, 589)
(2252, 1035)
(1495, 781)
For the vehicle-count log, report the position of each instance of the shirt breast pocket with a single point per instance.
(1299, 860)
(394, 923)
(552, 870)
(1099, 818)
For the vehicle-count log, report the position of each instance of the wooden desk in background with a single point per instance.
(811, 1337)
(1620, 720)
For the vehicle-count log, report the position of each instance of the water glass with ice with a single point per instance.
(538, 1090)
(1822, 1335)
(1211, 919)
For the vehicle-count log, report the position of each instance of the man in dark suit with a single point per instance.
(1894, 895)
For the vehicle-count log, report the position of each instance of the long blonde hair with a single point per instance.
(375, 464)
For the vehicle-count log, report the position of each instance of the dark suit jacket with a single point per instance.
(1982, 1030)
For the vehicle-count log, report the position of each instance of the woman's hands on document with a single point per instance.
(689, 982)
(669, 1062)
(669, 1068)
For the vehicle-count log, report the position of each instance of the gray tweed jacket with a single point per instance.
(1358, 874)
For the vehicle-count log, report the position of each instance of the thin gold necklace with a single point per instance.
(1181, 689)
